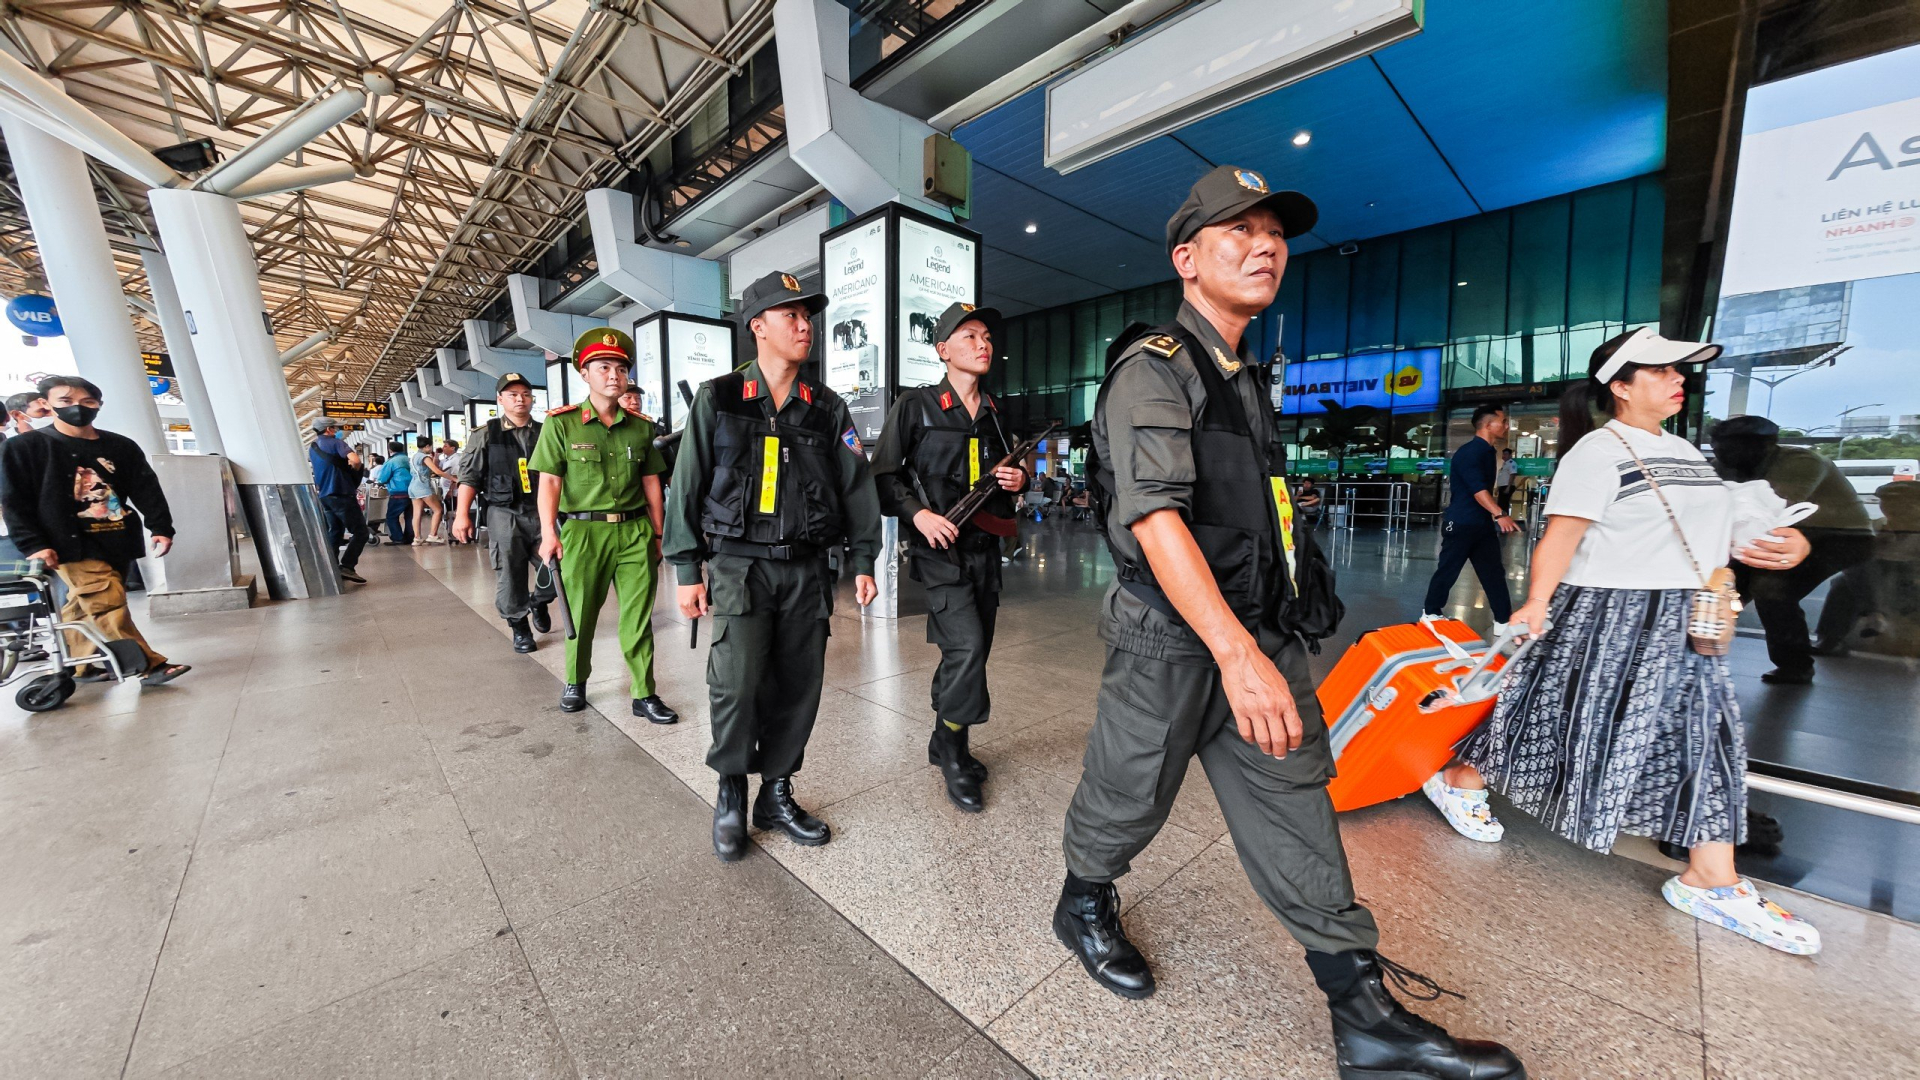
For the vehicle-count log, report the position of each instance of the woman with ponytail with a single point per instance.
(1613, 722)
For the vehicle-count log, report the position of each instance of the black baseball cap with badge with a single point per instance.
(774, 290)
(958, 313)
(511, 378)
(1228, 191)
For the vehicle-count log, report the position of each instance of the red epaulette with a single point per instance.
(946, 399)
(750, 390)
(806, 393)
(559, 410)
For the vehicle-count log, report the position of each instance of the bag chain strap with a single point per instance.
(1664, 505)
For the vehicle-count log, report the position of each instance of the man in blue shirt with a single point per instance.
(336, 475)
(396, 475)
(1474, 523)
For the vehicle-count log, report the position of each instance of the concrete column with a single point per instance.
(219, 284)
(186, 363)
(551, 330)
(656, 280)
(466, 381)
(496, 363)
(72, 239)
(865, 153)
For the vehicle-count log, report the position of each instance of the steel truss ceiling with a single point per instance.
(503, 114)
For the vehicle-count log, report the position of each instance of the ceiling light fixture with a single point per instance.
(1303, 138)
(1457, 284)
(1032, 228)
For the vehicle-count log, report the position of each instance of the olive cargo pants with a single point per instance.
(768, 657)
(1153, 717)
(513, 546)
(594, 555)
(963, 597)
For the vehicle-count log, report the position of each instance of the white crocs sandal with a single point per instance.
(1740, 908)
(1465, 809)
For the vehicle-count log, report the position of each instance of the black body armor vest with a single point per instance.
(940, 459)
(785, 493)
(1234, 519)
(500, 470)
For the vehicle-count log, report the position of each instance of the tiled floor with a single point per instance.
(360, 840)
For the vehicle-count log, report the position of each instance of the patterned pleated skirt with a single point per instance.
(1612, 723)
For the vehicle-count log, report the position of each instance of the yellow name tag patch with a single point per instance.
(769, 474)
(973, 461)
(1283, 505)
(526, 482)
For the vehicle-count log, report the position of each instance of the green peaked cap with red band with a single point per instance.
(602, 343)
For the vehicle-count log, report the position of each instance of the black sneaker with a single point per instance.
(351, 576)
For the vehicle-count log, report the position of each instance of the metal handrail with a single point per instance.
(1398, 498)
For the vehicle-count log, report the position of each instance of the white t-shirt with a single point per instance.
(1631, 544)
(1503, 476)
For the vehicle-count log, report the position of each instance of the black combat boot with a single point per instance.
(1376, 1038)
(774, 808)
(1087, 922)
(522, 635)
(574, 697)
(542, 622)
(948, 750)
(730, 819)
(654, 711)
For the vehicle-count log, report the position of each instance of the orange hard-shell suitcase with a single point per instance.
(1400, 699)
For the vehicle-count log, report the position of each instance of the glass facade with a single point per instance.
(1517, 297)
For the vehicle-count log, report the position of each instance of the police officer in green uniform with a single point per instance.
(600, 508)
(494, 470)
(770, 477)
(1198, 662)
(936, 443)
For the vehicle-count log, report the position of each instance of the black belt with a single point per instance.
(611, 517)
(782, 552)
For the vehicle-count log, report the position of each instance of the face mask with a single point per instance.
(39, 422)
(77, 415)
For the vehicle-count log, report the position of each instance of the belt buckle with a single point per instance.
(781, 551)
(611, 519)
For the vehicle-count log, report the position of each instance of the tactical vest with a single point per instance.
(505, 479)
(948, 459)
(1235, 518)
(774, 480)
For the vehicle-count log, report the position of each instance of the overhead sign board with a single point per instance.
(355, 410)
(1403, 381)
(158, 363)
(1211, 57)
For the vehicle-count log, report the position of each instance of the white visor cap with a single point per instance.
(1648, 349)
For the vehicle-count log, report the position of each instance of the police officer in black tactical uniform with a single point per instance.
(495, 471)
(936, 443)
(771, 476)
(1202, 660)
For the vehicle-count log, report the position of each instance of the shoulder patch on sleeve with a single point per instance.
(1160, 345)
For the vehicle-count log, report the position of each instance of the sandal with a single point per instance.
(1465, 809)
(164, 674)
(1740, 908)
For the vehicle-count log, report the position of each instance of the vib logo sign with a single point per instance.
(34, 314)
(1408, 381)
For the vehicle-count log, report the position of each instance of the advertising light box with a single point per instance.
(1403, 381)
(888, 276)
(671, 348)
(937, 268)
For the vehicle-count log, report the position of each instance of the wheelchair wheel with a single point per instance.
(46, 693)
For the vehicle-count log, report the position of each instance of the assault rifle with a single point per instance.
(983, 488)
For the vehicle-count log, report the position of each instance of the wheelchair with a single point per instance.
(32, 646)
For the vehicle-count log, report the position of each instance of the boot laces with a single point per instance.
(1411, 983)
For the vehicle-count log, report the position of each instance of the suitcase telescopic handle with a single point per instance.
(1483, 681)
